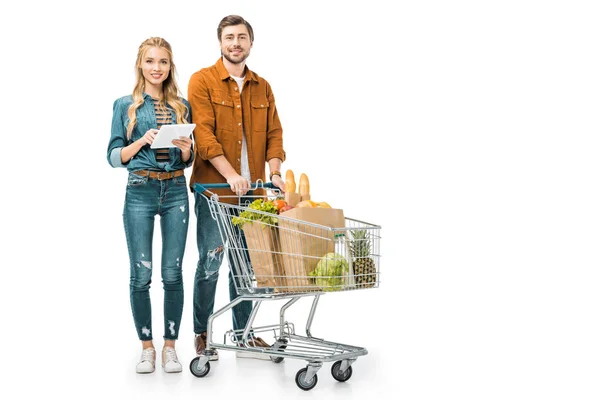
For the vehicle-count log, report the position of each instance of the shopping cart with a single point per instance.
(276, 258)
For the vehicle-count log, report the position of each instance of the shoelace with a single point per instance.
(170, 355)
(147, 355)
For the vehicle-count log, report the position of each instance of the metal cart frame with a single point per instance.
(250, 287)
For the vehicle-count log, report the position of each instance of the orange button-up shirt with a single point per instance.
(220, 113)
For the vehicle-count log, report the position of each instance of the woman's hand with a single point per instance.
(184, 144)
(148, 137)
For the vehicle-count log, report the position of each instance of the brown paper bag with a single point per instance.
(303, 245)
(263, 247)
(292, 198)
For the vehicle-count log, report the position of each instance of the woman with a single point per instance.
(156, 185)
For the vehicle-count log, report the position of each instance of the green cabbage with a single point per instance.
(329, 273)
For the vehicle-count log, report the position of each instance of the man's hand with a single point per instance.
(239, 184)
(278, 181)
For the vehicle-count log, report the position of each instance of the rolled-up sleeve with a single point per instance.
(203, 116)
(189, 119)
(118, 135)
(274, 130)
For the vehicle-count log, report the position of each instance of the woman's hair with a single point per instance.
(170, 90)
(233, 20)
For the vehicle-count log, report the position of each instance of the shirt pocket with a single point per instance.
(223, 107)
(144, 121)
(260, 113)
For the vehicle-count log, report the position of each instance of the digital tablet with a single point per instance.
(169, 132)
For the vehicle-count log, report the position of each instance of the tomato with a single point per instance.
(286, 208)
(279, 204)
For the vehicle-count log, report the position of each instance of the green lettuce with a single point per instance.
(265, 206)
(329, 272)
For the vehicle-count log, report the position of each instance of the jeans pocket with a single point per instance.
(180, 180)
(136, 180)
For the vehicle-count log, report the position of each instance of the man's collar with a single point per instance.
(224, 74)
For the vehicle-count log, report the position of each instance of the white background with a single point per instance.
(467, 129)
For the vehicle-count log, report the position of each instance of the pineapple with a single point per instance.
(365, 271)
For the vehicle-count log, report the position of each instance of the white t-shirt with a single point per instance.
(245, 168)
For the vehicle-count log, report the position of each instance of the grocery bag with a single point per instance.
(264, 249)
(303, 244)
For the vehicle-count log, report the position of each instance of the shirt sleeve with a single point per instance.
(118, 135)
(203, 116)
(274, 130)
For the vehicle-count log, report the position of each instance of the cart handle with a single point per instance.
(202, 187)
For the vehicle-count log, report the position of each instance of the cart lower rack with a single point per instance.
(272, 258)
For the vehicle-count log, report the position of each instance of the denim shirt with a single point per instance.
(146, 119)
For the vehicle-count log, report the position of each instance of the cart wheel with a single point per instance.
(338, 375)
(277, 360)
(300, 380)
(199, 373)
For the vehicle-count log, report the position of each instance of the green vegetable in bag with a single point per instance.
(266, 206)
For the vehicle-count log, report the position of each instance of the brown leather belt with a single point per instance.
(160, 175)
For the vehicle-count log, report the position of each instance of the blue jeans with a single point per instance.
(210, 251)
(144, 199)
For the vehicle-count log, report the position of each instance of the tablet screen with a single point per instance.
(169, 132)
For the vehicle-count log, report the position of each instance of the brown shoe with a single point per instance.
(254, 342)
(258, 342)
(200, 341)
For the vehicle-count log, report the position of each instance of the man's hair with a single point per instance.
(232, 20)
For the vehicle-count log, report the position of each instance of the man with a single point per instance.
(237, 132)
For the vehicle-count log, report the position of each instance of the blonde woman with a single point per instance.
(156, 185)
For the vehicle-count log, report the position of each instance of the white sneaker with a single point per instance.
(170, 363)
(146, 364)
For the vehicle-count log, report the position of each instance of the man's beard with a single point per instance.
(244, 57)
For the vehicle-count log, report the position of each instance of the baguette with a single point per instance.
(290, 182)
(304, 186)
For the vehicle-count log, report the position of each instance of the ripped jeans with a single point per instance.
(210, 250)
(144, 199)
